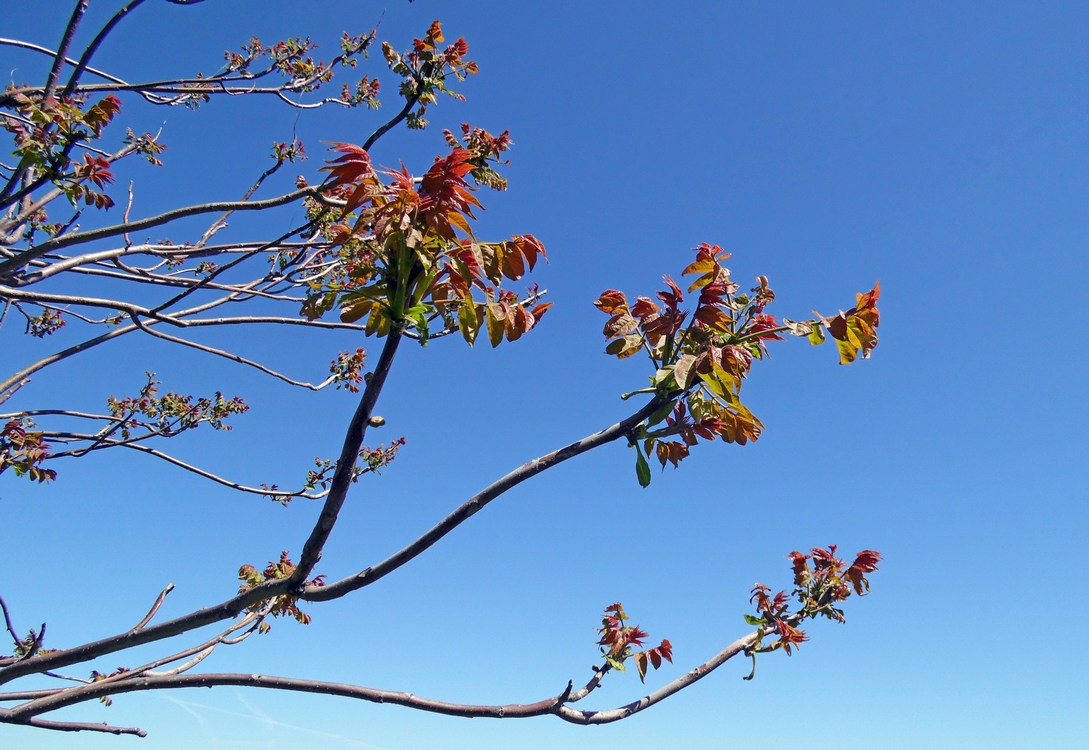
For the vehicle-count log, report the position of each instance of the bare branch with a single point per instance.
(22, 259)
(88, 53)
(62, 50)
(7, 621)
(74, 726)
(233, 357)
(373, 695)
(158, 250)
(46, 51)
(103, 444)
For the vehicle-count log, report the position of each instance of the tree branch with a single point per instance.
(73, 726)
(97, 690)
(233, 357)
(349, 454)
(103, 444)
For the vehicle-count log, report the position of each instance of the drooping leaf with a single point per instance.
(642, 468)
(495, 317)
(355, 309)
(468, 321)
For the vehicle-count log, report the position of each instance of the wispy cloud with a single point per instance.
(255, 714)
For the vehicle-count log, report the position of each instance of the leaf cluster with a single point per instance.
(23, 450)
(280, 606)
(172, 412)
(45, 133)
(701, 357)
(425, 68)
(407, 253)
(821, 582)
(619, 639)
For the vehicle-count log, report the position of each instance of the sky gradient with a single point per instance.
(938, 147)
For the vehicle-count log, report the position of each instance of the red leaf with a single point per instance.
(611, 301)
(540, 310)
(643, 307)
(666, 650)
(353, 166)
(530, 248)
(865, 562)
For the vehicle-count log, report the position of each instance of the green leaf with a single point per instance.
(642, 468)
(495, 321)
(755, 621)
(663, 380)
(468, 322)
(418, 316)
(751, 674)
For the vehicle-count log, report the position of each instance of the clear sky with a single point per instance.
(939, 147)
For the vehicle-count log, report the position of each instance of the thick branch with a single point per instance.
(92, 48)
(349, 454)
(166, 682)
(132, 638)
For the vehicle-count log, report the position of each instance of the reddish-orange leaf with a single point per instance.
(539, 310)
(530, 248)
(761, 327)
(434, 33)
(666, 650)
(714, 318)
(865, 562)
(671, 298)
(611, 301)
(512, 265)
(643, 307)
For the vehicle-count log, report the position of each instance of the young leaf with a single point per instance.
(642, 468)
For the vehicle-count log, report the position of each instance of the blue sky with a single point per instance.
(939, 147)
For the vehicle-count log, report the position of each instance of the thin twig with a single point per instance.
(233, 358)
(75, 726)
(103, 444)
(7, 622)
(155, 607)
